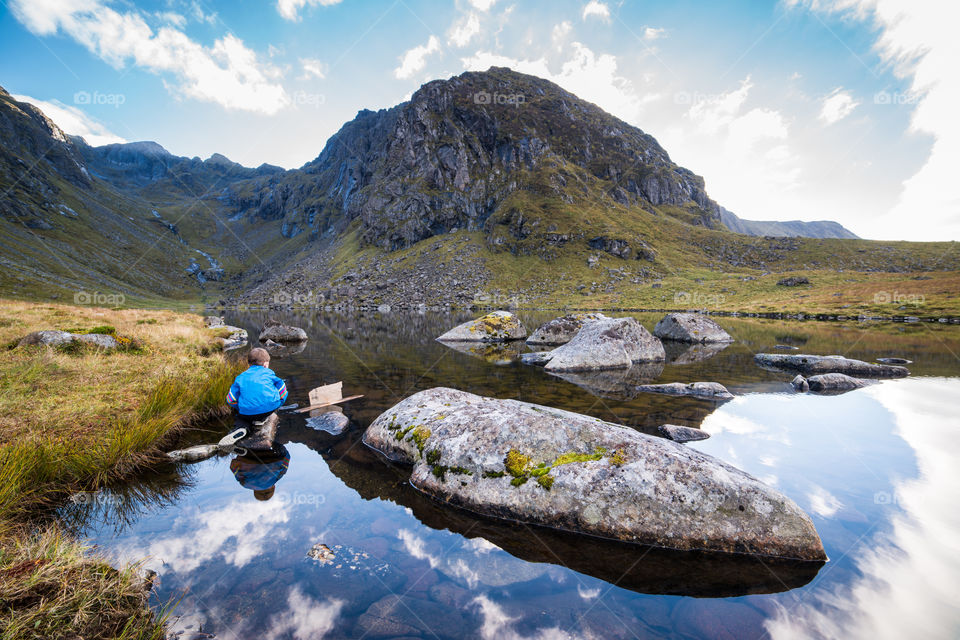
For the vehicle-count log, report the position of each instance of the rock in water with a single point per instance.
(497, 326)
(333, 422)
(800, 384)
(612, 343)
(236, 339)
(278, 332)
(894, 361)
(535, 464)
(536, 358)
(214, 322)
(679, 433)
(690, 327)
(263, 435)
(561, 330)
(708, 390)
(194, 454)
(834, 382)
(811, 365)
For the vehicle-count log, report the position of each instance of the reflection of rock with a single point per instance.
(497, 326)
(679, 433)
(835, 383)
(273, 330)
(561, 330)
(607, 344)
(581, 474)
(395, 616)
(686, 353)
(278, 350)
(812, 365)
(704, 390)
(690, 327)
(492, 352)
(333, 422)
(614, 384)
(536, 358)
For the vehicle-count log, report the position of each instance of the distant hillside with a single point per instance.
(791, 229)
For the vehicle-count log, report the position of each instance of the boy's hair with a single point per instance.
(258, 356)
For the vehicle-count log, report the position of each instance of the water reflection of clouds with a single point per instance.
(910, 570)
(305, 618)
(235, 532)
(497, 625)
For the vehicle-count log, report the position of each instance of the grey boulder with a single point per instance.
(536, 358)
(236, 339)
(612, 343)
(561, 330)
(800, 384)
(535, 464)
(55, 338)
(678, 433)
(214, 322)
(835, 383)
(690, 327)
(278, 332)
(101, 340)
(262, 435)
(707, 390)
(496, 326)
(810, 365)
(333, 422)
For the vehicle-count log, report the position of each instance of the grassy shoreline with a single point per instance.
(75, 419)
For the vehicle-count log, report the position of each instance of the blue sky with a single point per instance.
(809, 109)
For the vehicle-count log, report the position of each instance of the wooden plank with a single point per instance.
(326, 393)
(327, 404)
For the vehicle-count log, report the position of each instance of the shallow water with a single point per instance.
(877, 469)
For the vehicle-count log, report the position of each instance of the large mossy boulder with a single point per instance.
(810, 365)
(497, 326)
(611, 343)
(535, 464)
(690, 327)
(561, 330)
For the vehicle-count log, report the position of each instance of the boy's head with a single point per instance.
(258, 357)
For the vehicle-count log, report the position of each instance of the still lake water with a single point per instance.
(878, 470)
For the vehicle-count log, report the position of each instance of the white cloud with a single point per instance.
(463, 31)
(313, 68)
(228, 73)
(305, 617)
(290, 9)
(560, 32)
(837, 105)
(482, 5)
(822, 502)
(415, 59)
(653, 33)
(596, 9)
(496, 624)
(74, 121)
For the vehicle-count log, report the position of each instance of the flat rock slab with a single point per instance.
(278, 332)
(613, 343)
(561, 330)
(519, 461)
(55, 338)
(333, 422)
(690, 327)
(498, 326)
(263, 434)
(835, 383)
(810, 365)
(679, 433)
(706, 390)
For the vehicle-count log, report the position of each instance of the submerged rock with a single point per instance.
(194, 454)
(333, 422)
(811, 365)
(497, 326)
(800, 384)
(679, 433)
(535, 464)
(561, 330)
(690, 327)
(894, 361)
(707, 390)
(835, 383)
(612, 343)
(273, 330)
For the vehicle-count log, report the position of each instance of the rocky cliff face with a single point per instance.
(790, 229)
(454, 155)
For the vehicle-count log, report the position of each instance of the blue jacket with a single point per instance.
(257, 390)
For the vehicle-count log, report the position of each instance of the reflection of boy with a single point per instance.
(261, 472)
(257, 392)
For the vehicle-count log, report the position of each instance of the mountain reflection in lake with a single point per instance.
(343, 547)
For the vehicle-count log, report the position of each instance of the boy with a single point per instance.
(257, 392)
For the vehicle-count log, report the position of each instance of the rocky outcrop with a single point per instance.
(55, 338)
(809, 365)
(561, 330)
(706, 390)
(793, 281)
(835, 383)
(278, 332)
(690, 327)
(519, 461)
(498, 326)
(679, 433)
(612, 343)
